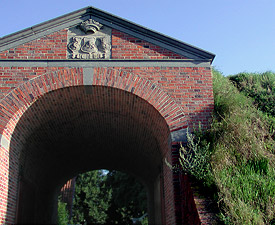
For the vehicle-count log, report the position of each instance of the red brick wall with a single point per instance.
(13, 107)
(125, 46)
(186, 210)
(183, 95)
(53, 46)
(190, 88)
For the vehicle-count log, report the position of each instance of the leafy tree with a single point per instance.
(92, 198)
(128, 198)
(108, 198)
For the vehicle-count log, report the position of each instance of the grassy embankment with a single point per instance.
(236, 155)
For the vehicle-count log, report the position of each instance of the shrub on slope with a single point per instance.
(261, 88)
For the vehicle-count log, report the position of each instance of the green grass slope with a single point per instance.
(240, 160)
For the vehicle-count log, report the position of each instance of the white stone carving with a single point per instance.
(90, 26)
(91, 41)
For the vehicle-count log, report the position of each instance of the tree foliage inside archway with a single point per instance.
(91, 199)
(108, 198)
(128, 198)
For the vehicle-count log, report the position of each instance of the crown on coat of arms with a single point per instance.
(90, 26)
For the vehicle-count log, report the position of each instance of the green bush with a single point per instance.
(63, 215)
(195, 157)
(260, 87)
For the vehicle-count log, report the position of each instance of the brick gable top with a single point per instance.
(72, 19)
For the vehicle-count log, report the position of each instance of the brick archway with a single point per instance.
(19, 104)
(18, 100)
(169, 78)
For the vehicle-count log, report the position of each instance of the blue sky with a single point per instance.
(240, 32)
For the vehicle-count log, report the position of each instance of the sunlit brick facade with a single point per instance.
(128, 90)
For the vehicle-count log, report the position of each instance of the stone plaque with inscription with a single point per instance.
(89, 40)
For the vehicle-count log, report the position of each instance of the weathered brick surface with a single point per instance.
(53, 46)
(182, 96)
(190, 88)
(125, 46)
(13, 77)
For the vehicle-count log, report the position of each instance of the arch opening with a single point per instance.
(104, 197)
(77, 129)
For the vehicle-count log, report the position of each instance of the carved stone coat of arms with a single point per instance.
(89, 40)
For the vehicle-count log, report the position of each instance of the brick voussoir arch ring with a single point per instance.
(18, 100)
(145, 89)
